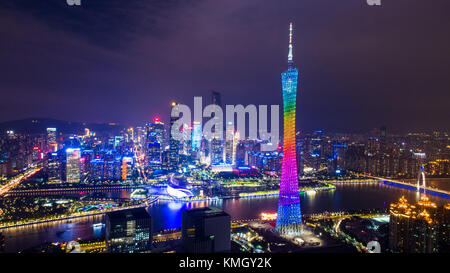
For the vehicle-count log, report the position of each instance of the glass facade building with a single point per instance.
(129, 231)
(73, 165)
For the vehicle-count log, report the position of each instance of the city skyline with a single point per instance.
(362, 164)
(89, 75)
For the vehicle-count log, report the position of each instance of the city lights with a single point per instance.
(155, 127)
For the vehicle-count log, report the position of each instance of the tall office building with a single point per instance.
(289, 214)
(52, 145)
(129, 231)
(174, 144)
(155, 131)
(130, 133)
(229, 140)
(216, 151)
(235, 144)
(196, 135)
(87, 155)
(54, 168)
(96, 169)
(155, 142)
(206, 230)
(339, 157)
(415, 228)
(73, 165)
(113, 169)
(127, 168)
(154, 153)
(240, 154)
(186, 141)
(140, 135)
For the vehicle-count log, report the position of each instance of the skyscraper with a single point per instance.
(196, 135)
(216, 151)
(127, 168)
(186, 139)
(52, 145)
(154, 143)
(235, 143)
(54, 168)
(73, 165)
(155, 132)
(129, 231)
(289, 215)
(174, 144)
(229, 159)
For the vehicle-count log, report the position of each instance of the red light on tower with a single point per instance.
(156, 119)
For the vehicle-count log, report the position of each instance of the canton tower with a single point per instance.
(289, 217)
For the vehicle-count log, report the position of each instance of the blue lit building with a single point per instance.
(154, 143)
(216, 151)
(73, 165)
(196, 135)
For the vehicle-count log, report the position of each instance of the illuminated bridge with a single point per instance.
(68, 190)
(409, 186)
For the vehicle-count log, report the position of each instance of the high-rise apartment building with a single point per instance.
(418, 228)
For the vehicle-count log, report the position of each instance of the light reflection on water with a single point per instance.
(167, 214)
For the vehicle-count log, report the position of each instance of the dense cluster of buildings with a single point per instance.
(134, 152)
(422, 227)
(377, 153)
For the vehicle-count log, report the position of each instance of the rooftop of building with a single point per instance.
(205, 212)
(421, 210)
(136, 213)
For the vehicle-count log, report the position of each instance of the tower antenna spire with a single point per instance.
(290, 56)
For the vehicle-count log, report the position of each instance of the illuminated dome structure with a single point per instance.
(178, 193)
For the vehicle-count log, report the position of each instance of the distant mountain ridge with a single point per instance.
(40, 125)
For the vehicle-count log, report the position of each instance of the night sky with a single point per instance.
(125, 60)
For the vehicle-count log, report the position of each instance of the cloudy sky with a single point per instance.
(125, 60)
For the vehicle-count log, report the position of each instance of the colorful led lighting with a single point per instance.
(289, 214)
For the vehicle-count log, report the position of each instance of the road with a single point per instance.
(17, 180)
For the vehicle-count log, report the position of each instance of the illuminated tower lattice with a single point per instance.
(289, 217)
